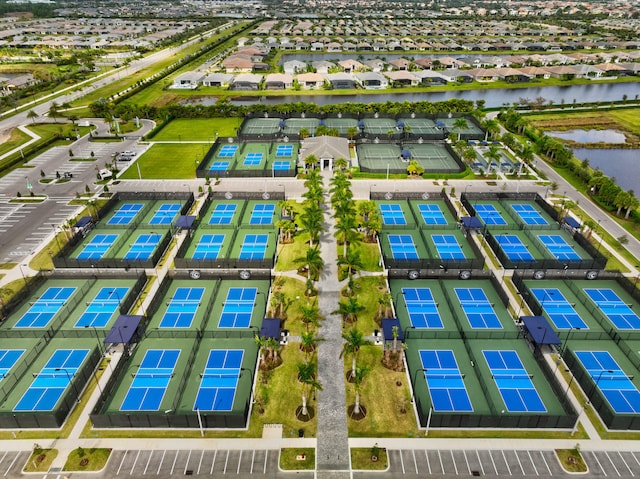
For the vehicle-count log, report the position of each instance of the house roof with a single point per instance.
(325, 147)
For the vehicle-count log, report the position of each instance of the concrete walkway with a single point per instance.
(332, 452)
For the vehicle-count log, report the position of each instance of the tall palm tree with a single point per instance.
(349, 310)
(460, 124)
(367, 208)
(358, 379)
(32, 115)
(354, 340)
(287, 207)
(313, 262)
(308, 342)
(310, 315)
(287, 228)
(306, 375)
(351, 262)
(311, 219)
(346, 232)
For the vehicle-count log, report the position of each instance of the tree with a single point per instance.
(352, 132)
(32, 115)
(308, 342)
(358, 378)
(346, 232)
(340, 164)
(313, 261)
(351, 262)
(311, 219)
(460, 124)
(414, 168)
(54, 109)
(310, 315)
(306, 375)
(310, 162)
(287, 208)
(354, 340)
(287, 228)
(349, 310)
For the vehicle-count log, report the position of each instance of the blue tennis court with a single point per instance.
(208, 247)
(559, 248)
(237, 308)
(618, 312)
(98, 246)
(402, 247)
(514, 248)
(529, 215)
(613, 382)
(165, 214)
(444, 380)
(227, 151)
(284, 151)
(281, 165)
(182, 308)
(254, 246)
(8, 359)
(477, 308)
(102, 308)
(422, 309)
(432, 214)
(54, 378)
(253, 159)
(447, 246)
(150, 383)
(559, 310)
(125, 214)
(144, 246)
(392, 214)
(45, 308)
(262, 214)
(223, 214)
(219, 380)
(513, 381)
(219, 166)
(489, 214)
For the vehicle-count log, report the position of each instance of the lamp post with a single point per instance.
(115, 292)
(97, 337)
(595, 384)
(566, 341)
(69, 377)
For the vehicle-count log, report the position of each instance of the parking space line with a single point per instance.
(148, 462)
(415, 463)
(453, 459)
(3, 456)
(175, 459)
(12, 463)
(226, 461)
(215, 453)
(266, 454)
(134, 463)
(121, 463)
(161, 461)
(612, 464)
(533, 463)
(504, 456)
(239, 462)
(599, 465)
(426, 455)
(480, 462)
(633, 454)
(253, 456)
(402, 463)
(186, 463)
(494, 463)
(441, 464)
(519, 463)
(625, 463)
(200, 462)
(467, 461)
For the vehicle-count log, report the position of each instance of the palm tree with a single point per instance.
(310, 162)
(493, 154)
(308, 342)
(262, 347)
(287, 207)
(306, 375)
(54, 109)
(313, 262)
(460, 124)
(367, 208)
(346, 232)
(310, 315)
(351, 262)
(287, 228)
(311, 219)
(414, 168)
(32, 115)
(352, 132)
(349, 310)
(340, 164)
(354, 340)
(372, 226)
(358, 378)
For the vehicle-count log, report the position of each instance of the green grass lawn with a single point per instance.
(16, 138)
(287, 253)
(298, 458)
(198, 129)
(167, 161)
(368, 289)
(82, 459)
(294, 292)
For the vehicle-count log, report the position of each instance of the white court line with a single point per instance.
(12, 463)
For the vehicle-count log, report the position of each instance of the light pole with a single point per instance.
(595, 384)
(115, 292)
(566, 341)
(97, 337)
(69, 377)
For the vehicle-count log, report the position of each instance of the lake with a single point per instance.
(623, 165)
(589, 136)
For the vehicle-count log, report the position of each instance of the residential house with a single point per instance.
(372, 80)
(246, 81)
(237, 63)
(351, 66)
(375, 65)
(218, 80)
(587, 71)
(455, 75)
(400, 64)
(536, 72)
(310, 81)
(294, 66)
(188, 80)
(322, 66)
(278, 81)
(431, 77)
(403, 77)
(341, 81)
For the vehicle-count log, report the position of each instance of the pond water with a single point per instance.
(624, 165)
(589, 136)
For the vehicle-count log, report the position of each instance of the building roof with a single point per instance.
(325, 147)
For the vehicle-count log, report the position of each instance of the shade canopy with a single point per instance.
(540, 330)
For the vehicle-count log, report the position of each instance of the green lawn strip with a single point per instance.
(288, 252)
(367, 291)
(40, 459)
(203, 129)
(369, 459)
(82, 459)
(571, 460)
(294, 292)
(166, 161)
(16, 138)
(388, 406)
(297, 458)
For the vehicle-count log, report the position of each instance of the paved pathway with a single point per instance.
(332, 453)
